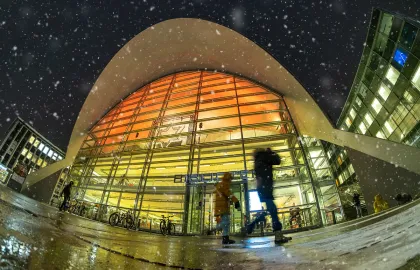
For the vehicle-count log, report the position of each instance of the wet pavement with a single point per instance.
(37, 236)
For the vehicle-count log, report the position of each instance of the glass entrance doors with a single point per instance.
(201, 217)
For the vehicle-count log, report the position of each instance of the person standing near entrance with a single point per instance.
(263, 167)
(357, 205)
(66, 192)
(223, 197)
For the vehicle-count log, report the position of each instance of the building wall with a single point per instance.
(43, 190)
(380, 177)
(24, 145)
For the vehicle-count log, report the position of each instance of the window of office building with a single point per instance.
(380, 134)
(352, 113)
(376, 105)
(392, 75)
(384, 91)
(348, 122)
(389, 126)
(362, 128)
(416, 78)
(368, 119)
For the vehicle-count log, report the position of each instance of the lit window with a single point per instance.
(376, 105)
(384, 91)
(351, 169)
(368, 119)
(352, 113)
(362, 128)
(39, 162)
(32, 139)
(29, 156)
(37, 142)
(45, 150)
(380, 134)
(339, 160)
(408, 97)
(24, 151)
(41, 146)
(60, 157)
(416, 78)
(358, 101)
(392, 75)
(388, 126)
(50, 154)
(348, 122)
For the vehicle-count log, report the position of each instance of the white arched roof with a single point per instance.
(192, 44)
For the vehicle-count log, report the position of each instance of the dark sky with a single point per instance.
(51, 52)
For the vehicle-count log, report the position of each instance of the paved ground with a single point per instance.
(36, 236)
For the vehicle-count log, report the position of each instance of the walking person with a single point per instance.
(66, 192)
(357, 205)
(224, 197)
(380, 204)
(263, 167)
(403, 198)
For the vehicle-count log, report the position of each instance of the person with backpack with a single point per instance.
(223, 199)
(66, 192)
(357, 205)
(264, 160)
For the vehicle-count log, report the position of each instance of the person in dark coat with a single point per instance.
(357, 205)
(263, 167)
(66, 192)
(403, 198)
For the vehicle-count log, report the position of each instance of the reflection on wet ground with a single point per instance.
(36, 236)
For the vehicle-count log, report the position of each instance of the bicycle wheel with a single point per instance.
(114, 219)
(163, 228)
(171, 229)
(83, 211)
(129, 222)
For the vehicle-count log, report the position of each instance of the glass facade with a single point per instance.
(23, 145)
(384, 101)
(345, 179)
(161, 150)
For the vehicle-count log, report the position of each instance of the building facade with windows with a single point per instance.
(24, 146)
(384, 99)
(161, 150)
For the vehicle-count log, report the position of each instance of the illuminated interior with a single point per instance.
(161, 150)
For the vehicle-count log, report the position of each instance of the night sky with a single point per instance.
(52, 52)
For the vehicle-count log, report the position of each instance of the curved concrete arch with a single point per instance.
(193, 44)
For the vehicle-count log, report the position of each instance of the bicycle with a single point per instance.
(125, 219)
(167, 227)
(77, 208)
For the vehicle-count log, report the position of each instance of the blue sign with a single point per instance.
(400, 57)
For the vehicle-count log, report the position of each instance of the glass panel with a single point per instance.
(376, 105)
(384, 91)
(416, 78)
(142, 153)
(392, 75)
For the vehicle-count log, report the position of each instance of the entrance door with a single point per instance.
(201, 209)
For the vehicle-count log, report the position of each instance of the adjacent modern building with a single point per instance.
(25, 148)
(384, 99)
(171, 121)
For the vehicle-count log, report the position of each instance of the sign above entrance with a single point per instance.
(210, 177)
